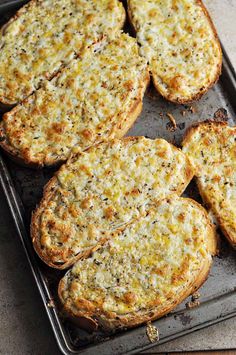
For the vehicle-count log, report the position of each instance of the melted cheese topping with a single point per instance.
(179, 42)
(212, 149)
(106, 187)
(47, 34)
(89, 100)
(147, 266)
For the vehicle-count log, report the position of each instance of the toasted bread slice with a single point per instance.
(96, 97)
(145, 269)
(101, 189)
(44, 35)
(211, 146)
(180, 42)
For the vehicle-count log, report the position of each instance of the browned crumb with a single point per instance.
(221, 115)
(51, 303)
(152, 332)
(194, 300)
(161, 114)
(196, 295)
(172, 121)
(192, 304)
(183, 113)
(192, 109)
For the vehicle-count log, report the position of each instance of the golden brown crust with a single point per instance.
(190, 130)
(35, 231)
(210, 124)
(211, 235)
(119, 130)
(13, 154)
(48, 194)
(129, 322)
(197, 96)
(115, 321)
(231, 237)
(135, 110)
(6, 104)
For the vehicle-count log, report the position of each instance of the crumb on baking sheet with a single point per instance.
(192, 109)
(221, 115)
(192, 304)
(196, 295)
(183, 113)
(172, 126)
(194, 300)
(152, 332)
(51, 303)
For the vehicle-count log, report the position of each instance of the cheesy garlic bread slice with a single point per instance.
(96, 97)
(102, 189)
(145, 269)
(211, 146)
(180, 43)
(45, 35)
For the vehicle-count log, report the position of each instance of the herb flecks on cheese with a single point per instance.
(46, 35)
(143, 268)
(212, 149)
(89, 101)
(106, 187)
(180, 44)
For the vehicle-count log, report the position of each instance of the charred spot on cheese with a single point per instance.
(181, 46)
(104, 187)
(75, 108)
(212, 148)
(39, 40)
(145, 267)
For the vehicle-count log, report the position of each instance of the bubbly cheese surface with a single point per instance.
(212, 149)
(177, 38)
(106, 187)
(48, 34)
(88, 101)
(145, 267)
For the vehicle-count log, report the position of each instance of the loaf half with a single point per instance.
(102, 189)
(45, 35)
(180, 42)
(96, 97)
(145, 269)
(211, 146)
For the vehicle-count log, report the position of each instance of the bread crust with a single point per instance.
(133, 319)
(230, 236)
(197, 96)
(119, 129)
(35, 231)
(48, 194)
(6, 104)
(209, 203)
(135, 110)
(86, 320)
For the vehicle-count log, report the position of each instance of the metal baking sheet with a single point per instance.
(23, 189)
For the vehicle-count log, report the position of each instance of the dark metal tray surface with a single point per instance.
(23, 189)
